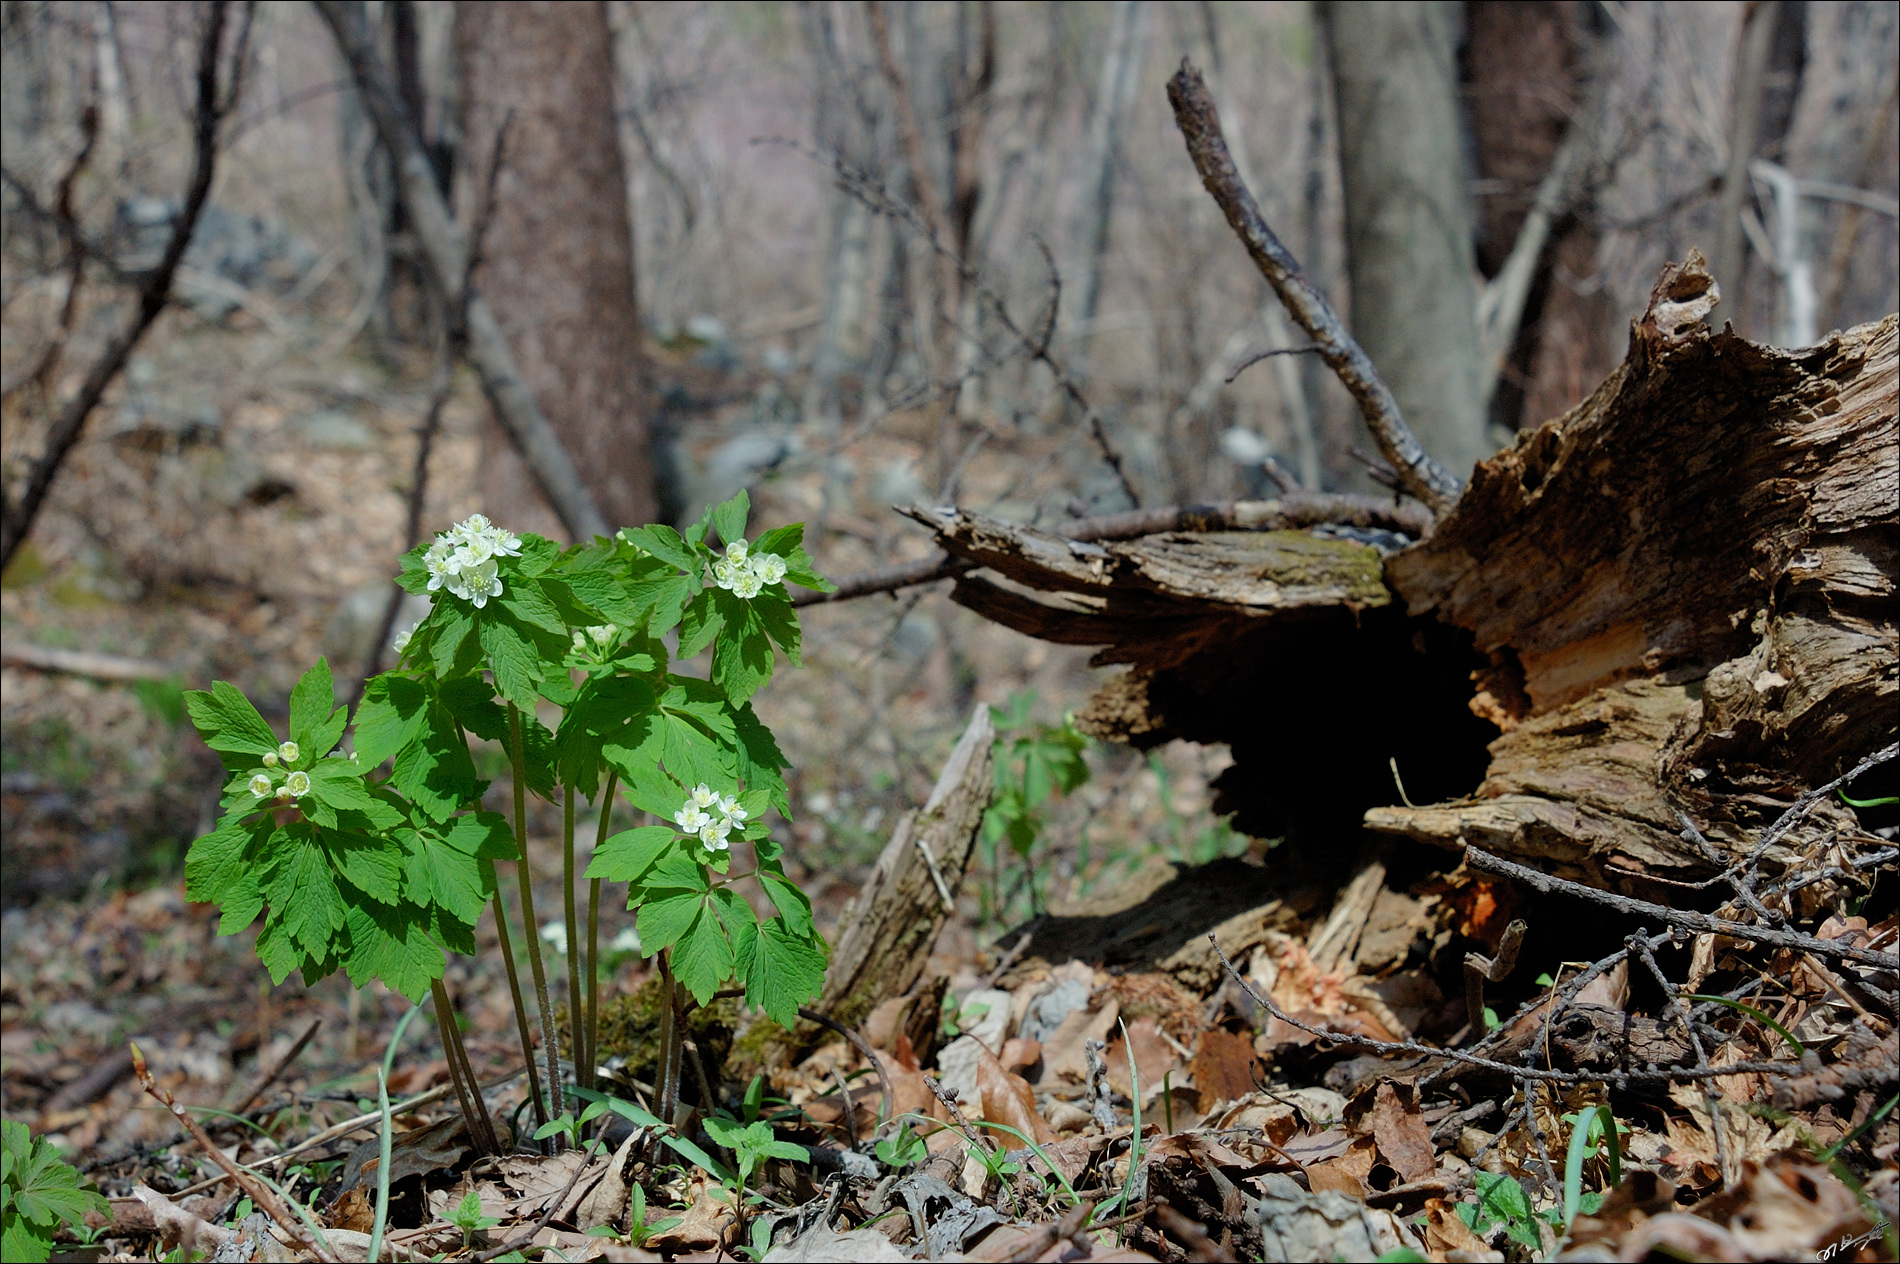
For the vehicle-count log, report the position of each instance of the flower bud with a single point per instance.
(260, 786)
(288, 752)
(298, 783)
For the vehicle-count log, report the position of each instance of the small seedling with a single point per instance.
(751, 1145)
(638, 1230)
(468, 1217)
(903, 1149)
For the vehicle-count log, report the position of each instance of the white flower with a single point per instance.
(747, 585)
(437, 561)
(288, 752)
(401, 642)
(270, 759)
(260, 786)
(580, 641)
(736, 551)
(477, 583)
(703, 796)
(474, 524)
(768, 567)
(298, 783)
(713, 835)
(725, 574)
(691, 820)
(627, 940)
(603, 634)
(554, 935)
(507, 543)
(462, 559)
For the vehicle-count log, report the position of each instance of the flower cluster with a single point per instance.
(295, 786)
(696, 821)
(602, 635)
(747, 575)
(463, 559)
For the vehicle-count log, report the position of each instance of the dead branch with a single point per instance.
(1293, 510)
(260, 1194)
(1194, 111)
(212, 105)
(1687, 919)
(277, 1069)
(445, 255)
(83, 662)
(863, 1046)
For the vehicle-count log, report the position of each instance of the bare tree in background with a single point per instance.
(1120, 75)
(1409, 239)
(558, 257)
(1526, 64)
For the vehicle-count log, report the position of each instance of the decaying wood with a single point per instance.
(1678, 598)
(887, 932)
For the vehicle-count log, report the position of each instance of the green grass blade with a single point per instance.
(1752, 1012)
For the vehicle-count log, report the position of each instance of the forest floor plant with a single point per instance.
(381, 860)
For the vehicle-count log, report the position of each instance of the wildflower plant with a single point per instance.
(380, 861)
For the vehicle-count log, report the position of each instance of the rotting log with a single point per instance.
(1677, 598)
(886, 933)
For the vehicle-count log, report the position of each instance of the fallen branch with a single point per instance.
(83, 662)
(863, 1046)
(260, 1194)
(1687, 919)
(521, 1240)
(1199, 121)
(270, 1077)
(1292, 510)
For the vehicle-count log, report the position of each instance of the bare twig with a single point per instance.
(43, 369)
(1258, 356)
(1194, 110)
(16, 520)
(1688, 919)
(870, 1055)
(260, 1194)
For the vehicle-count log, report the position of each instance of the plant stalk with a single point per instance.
(521, 1009)
(468, 1093)
(586, 1074)
(577, 959)
(524, 879)
(667, 1082)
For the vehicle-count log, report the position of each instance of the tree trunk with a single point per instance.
(1676, 599)
(1408, 215)
(557, 256)
(1121, 70)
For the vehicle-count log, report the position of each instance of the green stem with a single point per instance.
(468, 1091)
(381, 1220)
(593, 936)
(521, 1009)
(577, 959)
(530, 928)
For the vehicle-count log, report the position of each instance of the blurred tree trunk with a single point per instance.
(557, 255)
(1410, 264)
(1121, 69)
(1524, 69)
(1769, 62)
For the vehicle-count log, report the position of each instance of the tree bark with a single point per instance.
(1678, 598)
(1408, 215)
(557, 256)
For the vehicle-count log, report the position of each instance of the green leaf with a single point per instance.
(537, 554)
(316, 722)
(700, 622)
(228, 723)
(451, 651)
(782, 972)
(702, 958)
(690, 756)
(433, 768)
(783, 541)
(793, 904)
(451, 871)
(759, 760)
(393, 944)
(41, 1191)
(667, 594)
(302, 890)
(599, 580)
(221, 868)
(525, 600)
(1502, 1199)
(389, 717)
(666, 544)
(372, 865)
(772, 610)
(729, 519)
(742, 656)
(628, 855)
(339, 783)
(666, 918)
(515, 660)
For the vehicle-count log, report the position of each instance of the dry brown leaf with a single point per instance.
(1348, 1172)
(1444, 1232)
(1063, 1058)
(537, 1179)
(1399, 1128)
(1008, 1099)
(1020, 1055)
(1154, 1058)
(702, 1227)
(1223, 1067)
(608, 1199)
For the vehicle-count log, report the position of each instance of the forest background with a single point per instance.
(747, 246)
